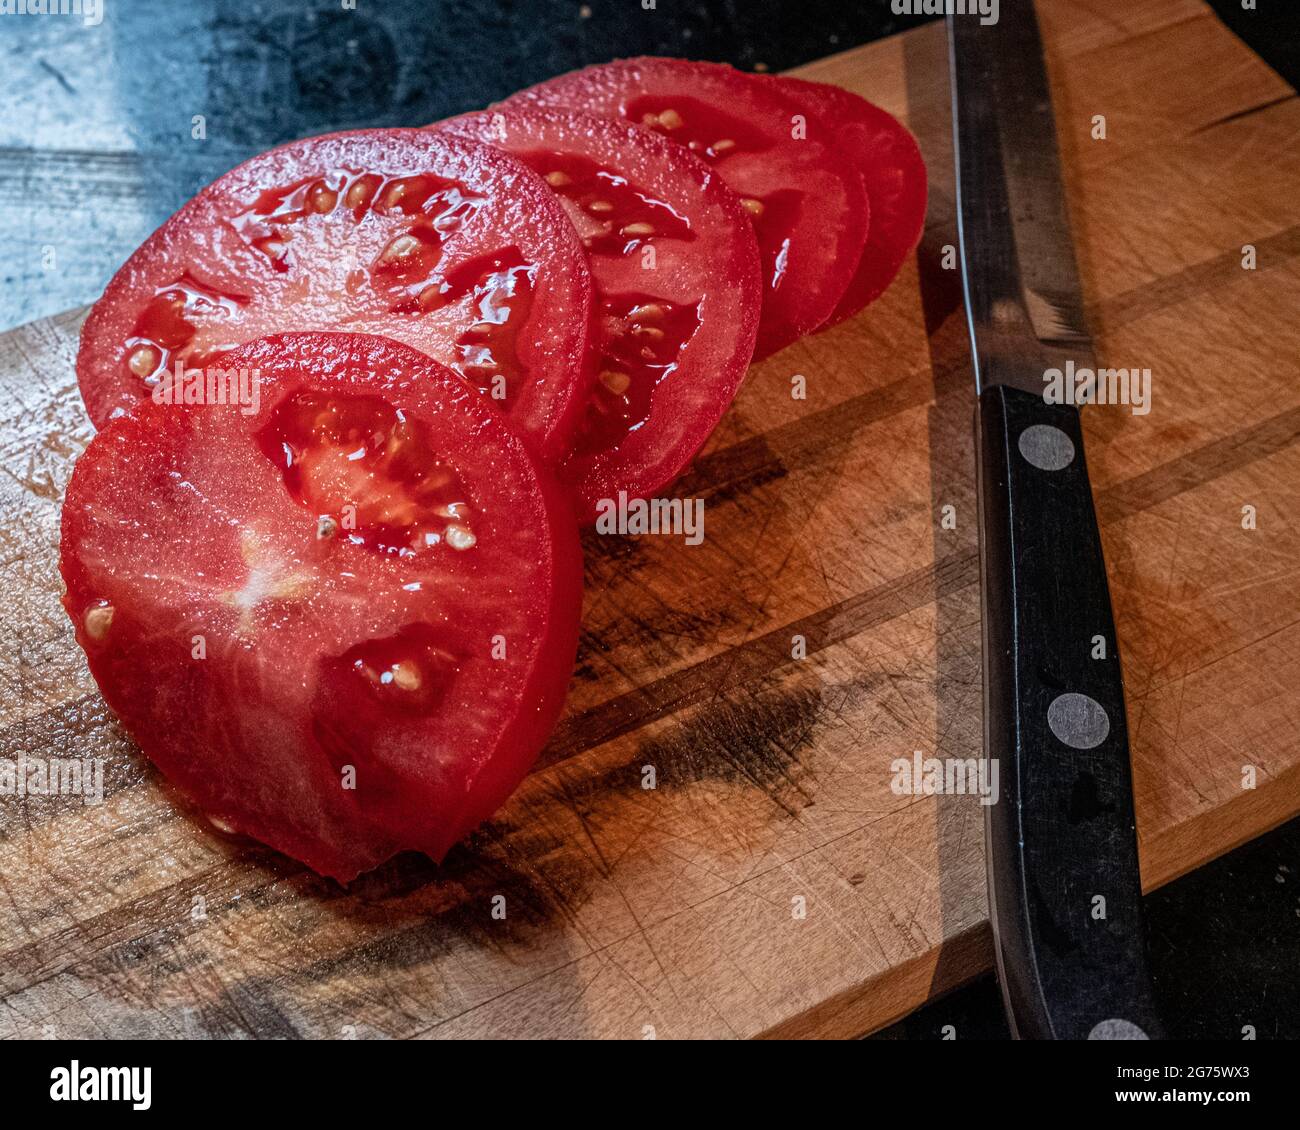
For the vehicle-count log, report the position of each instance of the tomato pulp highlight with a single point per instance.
(807, 203)
(436, 241)
(678, 286)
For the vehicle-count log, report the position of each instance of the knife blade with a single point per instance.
(1065, 897)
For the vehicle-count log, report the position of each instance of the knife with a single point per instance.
(1065, 898)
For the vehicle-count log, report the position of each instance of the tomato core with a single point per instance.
(367, 472)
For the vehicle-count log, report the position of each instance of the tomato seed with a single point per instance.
(361, 192)
(394, 195)
(143, 361)
(98, 619)
(616, 382)
(406, 675)
(460, 537)
(322, 198)
(400, 247)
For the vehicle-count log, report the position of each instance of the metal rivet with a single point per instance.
(1117, 1030)
(1079, 721)
(1046, 447)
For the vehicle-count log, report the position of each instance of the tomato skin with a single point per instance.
(816, 213)
(242, 730)
(893, 174)
(706, 267)
(209, 242)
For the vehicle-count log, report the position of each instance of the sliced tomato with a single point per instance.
(437, 241)
(678, 283)
(340, 614)
(893, 174)
(809, 209)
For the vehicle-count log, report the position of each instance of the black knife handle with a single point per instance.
(1061, 835)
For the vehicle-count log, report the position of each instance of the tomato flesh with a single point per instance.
(893, 174)
(807, 203)
(436, 241)
(678, 284)
(642, 344)
(343, 623)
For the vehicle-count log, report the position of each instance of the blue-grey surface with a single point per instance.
(99, 141)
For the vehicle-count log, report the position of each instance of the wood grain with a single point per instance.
(669, 911)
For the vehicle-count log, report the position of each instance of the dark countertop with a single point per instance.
(1224, 945)
(98, 147)
(106, 113)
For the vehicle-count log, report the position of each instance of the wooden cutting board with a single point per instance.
(772, 883)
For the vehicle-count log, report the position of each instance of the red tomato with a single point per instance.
(809, 209)
(893, 173)
(442, 243)
(678, 285)
(344, 622)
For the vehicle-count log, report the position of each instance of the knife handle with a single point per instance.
(1065, 896)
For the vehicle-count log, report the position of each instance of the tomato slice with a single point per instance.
(893, 174)
(437, 241)
(340, 614)
(678, 284)
(809, 209)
